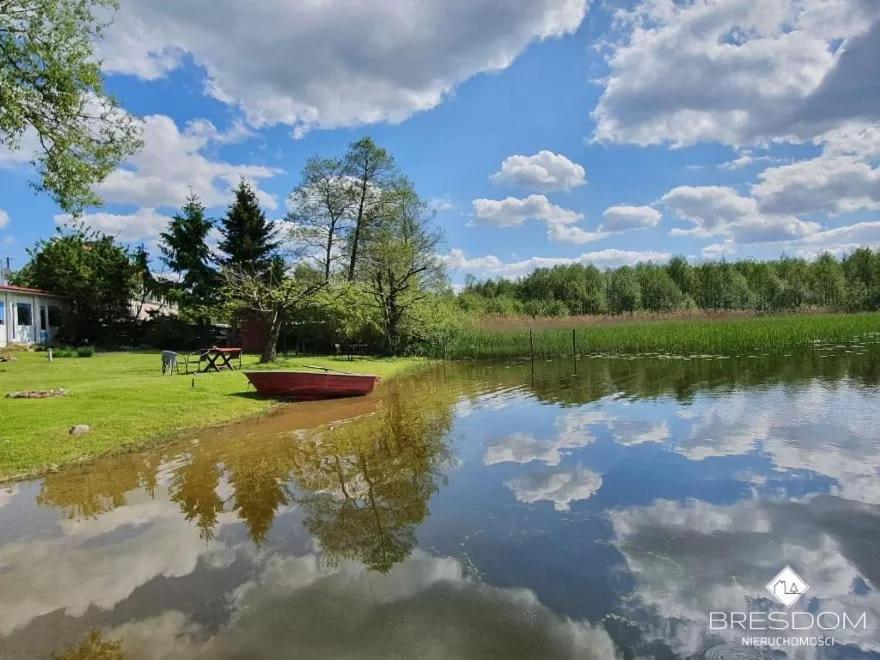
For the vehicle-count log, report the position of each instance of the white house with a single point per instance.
(28, 316)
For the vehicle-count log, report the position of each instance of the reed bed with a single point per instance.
(704, 336)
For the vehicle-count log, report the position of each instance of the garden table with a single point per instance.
(219, 358)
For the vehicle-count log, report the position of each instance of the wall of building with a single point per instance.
(43, 312)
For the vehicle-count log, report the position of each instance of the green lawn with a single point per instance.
(127, 402)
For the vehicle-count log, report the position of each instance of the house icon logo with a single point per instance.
(787, 587)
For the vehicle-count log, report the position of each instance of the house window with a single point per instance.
(2, 313)
(24, 314)
(42, 317)
(54, 316)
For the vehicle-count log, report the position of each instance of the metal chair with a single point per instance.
(195, 358)
(169, 363)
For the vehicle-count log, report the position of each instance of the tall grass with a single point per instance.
(730, 336)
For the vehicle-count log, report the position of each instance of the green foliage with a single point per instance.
(722, 287)
(340, 313)
(322, 208)
(93, 647)
(536, 308)
(502, 305)
(659, 291)
(624, 291)
(51, 93)
(185, 250)
(249, 239)
(788, 284)
(433, 321)
(273, 297)
(371, 181)
(827, 282)
(683, 275)
(98, 277)
(85, 351)
(398, 266)
(360, 219)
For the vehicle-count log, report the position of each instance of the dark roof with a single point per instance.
(25, 289)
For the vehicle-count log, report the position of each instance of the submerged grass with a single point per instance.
(127, 403)
(727, 336)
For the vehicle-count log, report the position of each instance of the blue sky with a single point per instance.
(543, 131)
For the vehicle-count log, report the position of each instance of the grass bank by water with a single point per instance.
(724, 336)
(127, 403)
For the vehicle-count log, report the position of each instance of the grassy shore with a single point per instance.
(126, 402)
(718, 336)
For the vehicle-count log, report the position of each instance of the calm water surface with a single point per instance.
(468, 511)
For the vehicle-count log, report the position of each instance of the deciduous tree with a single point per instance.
(96, 275)
(322, 206)
(624, 292)
(399, 266)
(374, 179)
(52, 98)
(273, 297)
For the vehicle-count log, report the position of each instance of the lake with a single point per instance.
(592, 509)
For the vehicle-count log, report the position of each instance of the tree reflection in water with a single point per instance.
(365, 485)
(194, 489)
(89, 491)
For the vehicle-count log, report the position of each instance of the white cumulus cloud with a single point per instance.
(559, 486)
(513, 211)
(721, 211)
(171, 164)
(491, 265)
(544, 171)
(739, 71)
(333, 63)
(827, 184)
(143, 224)
(576, 235)
(616, 219)
(623, 218)
(456, 259)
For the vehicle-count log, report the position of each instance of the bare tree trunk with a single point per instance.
(327, 262)
(270, 353)
(355, 237)
(393, 327)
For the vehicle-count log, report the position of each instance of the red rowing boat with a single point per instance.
(305, 385)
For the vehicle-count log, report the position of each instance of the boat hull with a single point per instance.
(304, 385)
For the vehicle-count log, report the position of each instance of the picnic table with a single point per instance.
(215, 359)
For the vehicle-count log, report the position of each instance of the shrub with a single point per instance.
(85, 351)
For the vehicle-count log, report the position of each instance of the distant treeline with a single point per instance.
(851, 283)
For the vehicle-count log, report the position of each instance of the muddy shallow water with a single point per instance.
(511, 510)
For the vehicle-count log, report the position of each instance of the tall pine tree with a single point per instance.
(185, 250)
(249, 239)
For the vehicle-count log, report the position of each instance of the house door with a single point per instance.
(24, 322)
